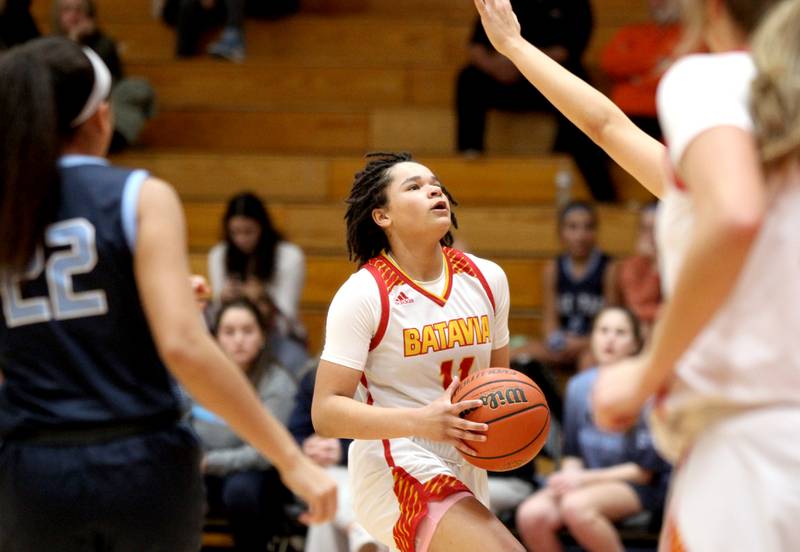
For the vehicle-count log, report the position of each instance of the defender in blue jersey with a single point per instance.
(94, 293)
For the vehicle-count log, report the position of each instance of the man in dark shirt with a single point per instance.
(16, 24)
(561, 29)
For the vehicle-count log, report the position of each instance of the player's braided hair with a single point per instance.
(365, 239)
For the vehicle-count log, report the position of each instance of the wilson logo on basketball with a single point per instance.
(511, 395)
(402, 299)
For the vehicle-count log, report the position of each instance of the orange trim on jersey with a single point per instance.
(462, 263)
(674, 542)
(405, 278)
(383, 289)
(413, 498)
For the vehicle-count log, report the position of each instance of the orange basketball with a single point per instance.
(516, 412)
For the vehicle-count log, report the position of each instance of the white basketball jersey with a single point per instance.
(424, 340)
(748, 355)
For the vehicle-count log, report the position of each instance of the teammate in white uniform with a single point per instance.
(724, 355)
(415, 319)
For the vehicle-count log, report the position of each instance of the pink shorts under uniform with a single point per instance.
(403, 487)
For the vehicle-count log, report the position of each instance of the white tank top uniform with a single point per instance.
(410, 339)
(731, 415)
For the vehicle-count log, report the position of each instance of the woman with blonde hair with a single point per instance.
(724, 359)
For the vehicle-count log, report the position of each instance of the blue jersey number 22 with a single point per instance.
(62, 302)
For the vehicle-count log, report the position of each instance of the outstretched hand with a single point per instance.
(440, 421)
(500, 23)
(619, 394)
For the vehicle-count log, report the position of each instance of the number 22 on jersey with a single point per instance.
(77, 236)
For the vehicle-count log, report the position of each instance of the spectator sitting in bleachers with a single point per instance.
(575, 286)
(254, 253)
(291, 353)
(562, 30)
(635, 59)
(240, 483)
(638, 281)
(604, 477)
(132, 98)
(192, 18)
(16, 23)
(343, 534)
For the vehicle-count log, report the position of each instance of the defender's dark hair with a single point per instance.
(576, 205)
(261, 262)
(43, 87)
(365, 239)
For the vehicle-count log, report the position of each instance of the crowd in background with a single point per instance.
(589, 298)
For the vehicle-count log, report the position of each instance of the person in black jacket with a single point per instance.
(16, 24)
(561, 28)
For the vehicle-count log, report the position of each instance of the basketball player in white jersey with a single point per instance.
(724, 357)
(415, 319)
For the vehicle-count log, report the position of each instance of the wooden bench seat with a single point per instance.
(308, 178)
(514, 231)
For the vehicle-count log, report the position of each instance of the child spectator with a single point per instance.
(576, 285)
(604, 477)
(254, 254)
(132, 99)
(239, 481)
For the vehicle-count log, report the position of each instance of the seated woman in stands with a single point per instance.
(253, 254)
(241, 484)
(132, 98)
(575, 286)
(604, 477)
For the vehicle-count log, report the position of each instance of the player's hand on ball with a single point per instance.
(619, 394)
(440, 421)
(500, 23)
(314, 486)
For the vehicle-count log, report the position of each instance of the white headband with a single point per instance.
(100, 90)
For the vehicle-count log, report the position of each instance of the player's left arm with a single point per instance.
(498, 283)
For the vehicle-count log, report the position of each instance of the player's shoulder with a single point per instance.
(359, 287)
(697, 74)
(492, 271)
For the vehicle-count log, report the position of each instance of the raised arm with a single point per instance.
(162, 272)
(597, 116)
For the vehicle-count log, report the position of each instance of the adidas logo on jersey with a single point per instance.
(402, 299)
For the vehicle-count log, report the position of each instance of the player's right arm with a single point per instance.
(161, 269)
(352, 322)
(597, 116)
(337, 414)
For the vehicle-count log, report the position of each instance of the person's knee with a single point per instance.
(577, 512)
(536, 516)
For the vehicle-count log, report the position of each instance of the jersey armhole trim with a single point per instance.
(130, 205)
(479, 275)
(379, 333)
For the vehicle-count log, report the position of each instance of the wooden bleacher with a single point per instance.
(316, 92)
